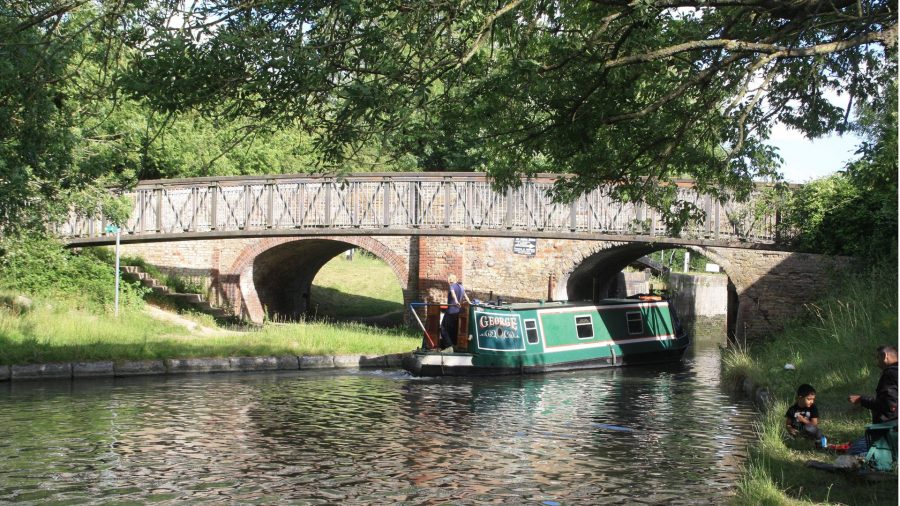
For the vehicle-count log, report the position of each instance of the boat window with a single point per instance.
(584, 327)
(531, 331)
(635, 322)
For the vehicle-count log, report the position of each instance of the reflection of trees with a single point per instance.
(97, 435)
(603, 426)
(575, 437)
(328, 414)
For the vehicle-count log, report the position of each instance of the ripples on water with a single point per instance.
(663, 435)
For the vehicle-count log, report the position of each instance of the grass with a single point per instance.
(70, 318)
(364, 286)
(832, 349)
(57, 332)
(68, 326)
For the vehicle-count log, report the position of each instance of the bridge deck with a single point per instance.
(408, 204)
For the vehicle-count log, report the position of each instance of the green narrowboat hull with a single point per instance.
(541, 338)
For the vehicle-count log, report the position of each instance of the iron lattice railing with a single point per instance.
(408, 203)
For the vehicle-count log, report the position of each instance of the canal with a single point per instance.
(649, 435)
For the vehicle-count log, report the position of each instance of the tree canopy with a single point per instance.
(853, 212)
(633, 92)
(630, 91)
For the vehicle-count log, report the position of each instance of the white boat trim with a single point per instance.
(575, 309)
(449, 360)
(601, 344)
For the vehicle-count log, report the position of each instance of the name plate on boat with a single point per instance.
(499, 331)
(524, 246)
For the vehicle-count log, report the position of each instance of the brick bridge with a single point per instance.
(268, 246)
(276, 273)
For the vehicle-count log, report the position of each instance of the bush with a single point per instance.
(854, 212)
(838, 216)
(43, 267)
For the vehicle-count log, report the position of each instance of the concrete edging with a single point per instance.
(175, 366)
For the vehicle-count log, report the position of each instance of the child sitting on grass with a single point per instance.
(803, 416)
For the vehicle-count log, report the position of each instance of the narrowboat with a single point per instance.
(540, 337)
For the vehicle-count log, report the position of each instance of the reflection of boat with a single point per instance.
(553, 336)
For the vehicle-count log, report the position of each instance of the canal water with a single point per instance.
(648, 435)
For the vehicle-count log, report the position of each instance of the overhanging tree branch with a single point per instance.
(485, 28)
(888, 37)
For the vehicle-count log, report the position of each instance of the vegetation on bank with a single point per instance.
(853, 212)
(53, 331)
(67, 315)
(832, 349)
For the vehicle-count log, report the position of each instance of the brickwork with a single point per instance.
(773, 286)
(770, 286)
(228, 265)
(492, 268)
(438, 258)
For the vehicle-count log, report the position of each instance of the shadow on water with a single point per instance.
(378, 437)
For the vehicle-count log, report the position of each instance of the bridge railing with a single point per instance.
(407, 202)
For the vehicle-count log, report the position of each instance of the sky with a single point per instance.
(805, 160)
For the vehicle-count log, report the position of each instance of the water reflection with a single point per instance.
(634, 435)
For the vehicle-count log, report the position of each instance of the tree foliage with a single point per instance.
(634, 92)
(68, 133)
(854, 212)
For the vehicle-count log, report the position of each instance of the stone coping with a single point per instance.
(172, 366)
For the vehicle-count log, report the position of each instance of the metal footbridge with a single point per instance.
(462, 204)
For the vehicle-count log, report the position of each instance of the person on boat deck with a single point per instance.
(803, 416)
(450, 324)
(884, 404)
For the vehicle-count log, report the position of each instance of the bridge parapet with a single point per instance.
(411, 204)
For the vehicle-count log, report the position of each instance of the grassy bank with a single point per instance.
(55, 331)
(833, 350)
(68, 315)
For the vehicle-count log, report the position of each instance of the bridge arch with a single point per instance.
(591, 276)
(769, 287)
(595, 274)
(272, 278)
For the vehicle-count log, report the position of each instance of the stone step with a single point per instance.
(195, 299)
(190, 298)
(206, 307)
(136, 276)
(161, 290)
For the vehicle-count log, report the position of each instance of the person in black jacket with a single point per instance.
(884, 404)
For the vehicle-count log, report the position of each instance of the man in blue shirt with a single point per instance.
(450, 323)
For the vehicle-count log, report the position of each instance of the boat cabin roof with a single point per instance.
(514, 306)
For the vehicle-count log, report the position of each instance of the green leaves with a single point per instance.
(628, 93)
(854, 212)
(41, 266)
